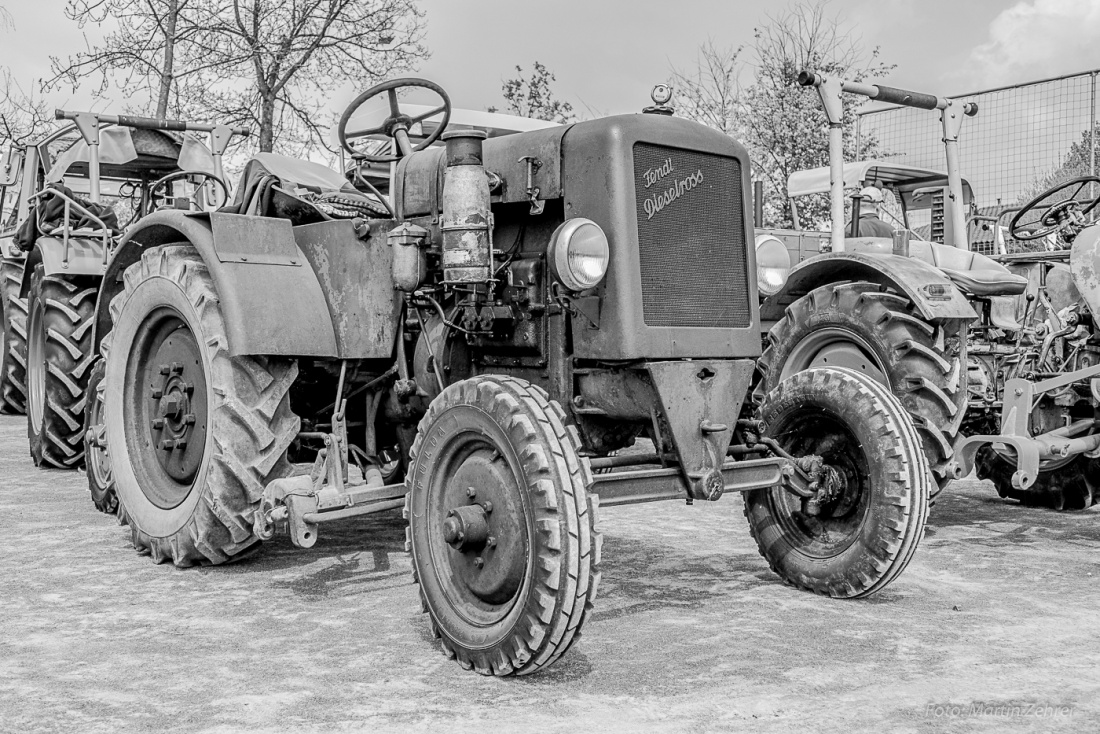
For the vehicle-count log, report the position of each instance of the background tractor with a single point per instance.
(81, 187)
(513, 311)
(896, 309)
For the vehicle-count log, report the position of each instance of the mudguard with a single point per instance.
(270, 297)
(933, 294)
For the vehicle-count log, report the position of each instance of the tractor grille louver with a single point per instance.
(691, 238)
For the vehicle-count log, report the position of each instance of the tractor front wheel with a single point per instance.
(101, 484)
(501, 527)
(854, 539)
(862, 327)
(194, 434)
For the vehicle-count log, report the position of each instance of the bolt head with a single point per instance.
(157, 394)
(471, 492)
(479, 562)
(487, 506)
(166, 445)
(164, 369)
(158, 424)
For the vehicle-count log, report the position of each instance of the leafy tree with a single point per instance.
(785, 126)
(151, 50)
(534, 98)
(781, 123)
(273, 62)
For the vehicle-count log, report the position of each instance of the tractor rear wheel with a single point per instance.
(101, 484)
(13, 339)
(60, 357)
(858, 539)
(501, 527)
(1067, 485)
(194, 433)
(862, 327)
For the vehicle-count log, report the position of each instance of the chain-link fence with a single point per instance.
(1024, 138)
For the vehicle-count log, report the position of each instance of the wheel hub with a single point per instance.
(487, 553)
(169, 397)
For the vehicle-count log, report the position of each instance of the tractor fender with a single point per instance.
(84, 257)
(933, 294)
(269, 295)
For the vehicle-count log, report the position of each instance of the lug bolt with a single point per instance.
(157, 394)
(491, 542)
(166, 445)
(181, 443)
(487, 506)
(189, 419)
(164, 369)
(479, 561)
(471, 492)
(177, 368)
(158, 424)
(187, 387)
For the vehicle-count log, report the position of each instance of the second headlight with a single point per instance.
(773, 264)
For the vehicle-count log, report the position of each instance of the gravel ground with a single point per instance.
(990, 629)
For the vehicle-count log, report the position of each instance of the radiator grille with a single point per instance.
(691, 238)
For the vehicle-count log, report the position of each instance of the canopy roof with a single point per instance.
(858, 174)
(124, 150)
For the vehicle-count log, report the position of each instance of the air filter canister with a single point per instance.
(466, 216)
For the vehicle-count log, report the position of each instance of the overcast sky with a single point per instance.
(607, 54)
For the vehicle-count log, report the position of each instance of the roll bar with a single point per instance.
(89, 123)
(951, 117)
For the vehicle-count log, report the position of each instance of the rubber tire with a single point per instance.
(564, 574)
(895, 519)
(1075, 486)
(930, 383)
(101, 483)
(251, 423)
(66, 311)
(13, 339)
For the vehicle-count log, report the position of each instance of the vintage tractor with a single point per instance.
(897, 312)
(514, 311)
(1035, 361)
(83, 185)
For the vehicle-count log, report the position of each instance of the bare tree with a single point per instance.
(273, 62)
(150, 50)
(534, 98)
(23, 117)
(711, 93)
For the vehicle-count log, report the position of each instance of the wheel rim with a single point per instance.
(816, 431)
(833, 347)
(99, 463)
(36, 367)
(165, 407)
(478, 541)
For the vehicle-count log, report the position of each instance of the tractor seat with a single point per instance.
(972, 272)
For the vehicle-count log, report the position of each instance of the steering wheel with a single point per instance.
(397, 124)
(1051, 210)
(162, 183)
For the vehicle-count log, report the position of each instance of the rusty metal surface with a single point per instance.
(653, 485)
(356, 279)
(700, 401)
(913, 277)
(600, 183)
(269, 309)
(420, 176)
(240, 238)
(1084, 263)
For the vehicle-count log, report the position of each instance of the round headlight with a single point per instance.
(773, 264)
(579, 254)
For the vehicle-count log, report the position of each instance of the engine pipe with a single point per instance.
(951, 116)
(467, 220)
